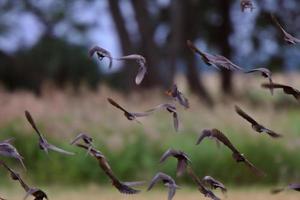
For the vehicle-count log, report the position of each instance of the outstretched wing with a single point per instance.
(205, 133)
(57, 149)
(271, 133)
(222, 138)
(141, 73)
(172, 191)
(175, 121)
(241, 113)
(168, 153)
(32, 123)
(112, 102)
(254, 169)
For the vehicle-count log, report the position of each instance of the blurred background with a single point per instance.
(44, 68)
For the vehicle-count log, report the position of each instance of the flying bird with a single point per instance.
(286, 89)
(216, 61)
(171, 108)
(286, 36)
(266, 73)
(101, 53)
(43, 143)
(255, 125)
(178, 96)
(123, 187)
(142, 66)
(181, 157)
(129, 115)
(8, 150)
(85, 138)
(246, 4)
(237, 156)
(37, 193)
(292, 186)
(167, 180)
(213, 183)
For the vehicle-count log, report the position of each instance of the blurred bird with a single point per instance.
(182, 159)
(101, 53)
(246, 4)
(286, 89)
(142, 66)
(286, 36)
(266, 73)
(216, 61)
(37, 193)
(167, 180)
(85, 138)
(123, 187)
(256, 126)
(8, 150)
(237, 156)
(178, 96)
(171, 108)
(129, 115)
(43, 143)
(213, 183)
(292, 186)
(206, 192)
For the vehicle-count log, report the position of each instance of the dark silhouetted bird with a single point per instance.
(216, 61)
(237, 156)
(246, 4)
(292, 186)
(43, 143)
(101, 53)
(167, 180)
(8, 150)
(178, 96)
(286, 89)
(213, 183)
(256, 126)
(286, 36)
(266, 73)
(37, 193)
(181, 157)
(142, 66)
(123, 187)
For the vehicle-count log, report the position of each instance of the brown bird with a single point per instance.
(255, 125)
(182, 159)
(129, 115)
(123, 187)
(101, 53)
(167, 180)
(213, 183)
(286, 89)
(37, 193)
(237, 156)
(142, 66)
(292, 186)
(288, 38)
(43, 143)
(171, 108)
(216, 61)
(266, 73)
(206, 192)
(178, 96)
(246, 4)
(8, 150)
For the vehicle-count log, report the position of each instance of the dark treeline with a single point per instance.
(160, 36)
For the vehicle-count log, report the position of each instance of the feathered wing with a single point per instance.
(102, 52)
(222, 138)
(115, 104)
(168, 153)
(154, 180)
(171, 193)
(175, 121)
(272, 133)
(254, 169)
(181, 167)
(32, 123)
(57, 149)
(205, 133)
(141, 73)
(240, 112)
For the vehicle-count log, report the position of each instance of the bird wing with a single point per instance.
(57, 149)
(172, 191)
(141, 73)
(142, 114)
(204, 56)
(79, 137)
(181, 166)
(254, 169)
(271, 133)
(168, 153)
(262, 69)
(294, 186)
(32, 123)
(112, 102)
(204, 133)
(175, 121)
(222, 138)
(241, 113)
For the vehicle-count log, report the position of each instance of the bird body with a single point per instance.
(178, 96)
(213, 183)
(101, 53)
(8, 150)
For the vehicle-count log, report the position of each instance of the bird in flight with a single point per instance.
(255, 125)
(167, 180)
(237, 156)
(101, 53)
(178, 96)
(181, 157)
(88, 140)
(216, 61)
(8, 150)
(266, 73)
(142, 66)
(37, 193)
(286, 89)
(123, 187)
(246, 4)
(171, 108)
(129, 115)
(292, 186)
(43, 143)
(213, 183)
(286, 36)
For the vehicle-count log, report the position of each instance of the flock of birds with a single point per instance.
(184, 163)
